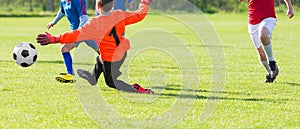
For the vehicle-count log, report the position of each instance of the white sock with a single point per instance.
(267, 67)
(269, 52)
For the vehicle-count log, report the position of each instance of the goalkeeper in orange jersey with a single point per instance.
(107, 30)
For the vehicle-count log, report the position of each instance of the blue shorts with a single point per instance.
(90, 43)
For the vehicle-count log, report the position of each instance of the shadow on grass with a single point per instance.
(191, 96)
(212, 46)
(202, 97)
(53, 62)
(61, 62)
(187, 96)
(7, 61)
(177, 88)
(49, 62)
(6, 90)
(291, 83)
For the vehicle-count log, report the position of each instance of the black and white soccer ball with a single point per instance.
(25, 54)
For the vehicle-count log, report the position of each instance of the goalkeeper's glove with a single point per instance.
(45, 39)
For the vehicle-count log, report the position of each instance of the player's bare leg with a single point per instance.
(264, 62)
(266, 41)
(67, 77)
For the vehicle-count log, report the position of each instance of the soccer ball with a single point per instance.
(25, 54)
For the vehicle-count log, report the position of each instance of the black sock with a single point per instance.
(272, 65)
(98, 69)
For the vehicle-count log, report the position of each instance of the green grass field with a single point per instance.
(31, 98)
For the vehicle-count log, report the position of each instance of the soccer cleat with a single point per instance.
(65, 78)
(140, 89)
(270, 78)
(87, 76)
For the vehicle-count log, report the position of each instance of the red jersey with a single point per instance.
(259, 10)
(108, 32)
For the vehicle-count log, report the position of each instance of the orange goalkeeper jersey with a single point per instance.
(108, 32)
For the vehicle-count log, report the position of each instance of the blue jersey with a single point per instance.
(121, 4)
(73, 9)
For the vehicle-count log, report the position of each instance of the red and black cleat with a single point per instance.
(141, 89)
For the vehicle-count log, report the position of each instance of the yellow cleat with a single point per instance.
(65, 78)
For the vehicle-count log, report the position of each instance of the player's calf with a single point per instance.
(87, 76)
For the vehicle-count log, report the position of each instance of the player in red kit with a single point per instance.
(107, 30)
(261, 23)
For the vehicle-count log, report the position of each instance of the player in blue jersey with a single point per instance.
(120, 5)
(75, 11)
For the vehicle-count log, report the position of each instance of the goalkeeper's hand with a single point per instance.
(45, 39)
(146, 2)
